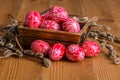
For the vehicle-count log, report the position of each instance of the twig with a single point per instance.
(8, 55)
(89, 27)
(13, 50)
(18, 43)
(5, 28)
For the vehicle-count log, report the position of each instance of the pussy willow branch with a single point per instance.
(13, 50)
(89, 27)
(17, 41)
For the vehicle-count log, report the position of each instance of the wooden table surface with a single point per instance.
(97, 68)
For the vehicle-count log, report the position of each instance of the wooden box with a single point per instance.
(27, 35)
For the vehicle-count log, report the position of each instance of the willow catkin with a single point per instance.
(19, 53)
(6, 52)
(107, 28)
(112, 54)
(83, 20)
(47, 62)
(117, 61)
(2, 40)
(28, 52)
(102, 45)
(110, 38)
(39, 55)
(109, 47)
(9, 45)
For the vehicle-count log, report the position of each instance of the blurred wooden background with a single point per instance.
(97, 68)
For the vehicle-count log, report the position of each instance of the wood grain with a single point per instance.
(97, 68)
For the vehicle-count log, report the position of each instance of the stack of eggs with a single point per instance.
(56, 18)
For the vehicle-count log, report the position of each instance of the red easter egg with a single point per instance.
(50, 25)
(33, 19)
(45, 16)
(58, 14)
(40, 46)
(56, 52)
(91, 48)
(74, 52)
(71, 25)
